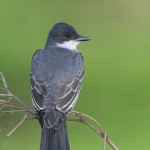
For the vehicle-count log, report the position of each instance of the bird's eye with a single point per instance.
(67, 35)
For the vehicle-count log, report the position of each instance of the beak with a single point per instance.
(82, 38)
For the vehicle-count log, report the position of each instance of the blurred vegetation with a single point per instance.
(117, 74)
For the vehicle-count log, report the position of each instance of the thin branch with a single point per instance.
(3, 80)
(9, 94)
(19, 124)
(104, 148)
(9, 124)
(100, 133)
(14, 108)
(87, 116)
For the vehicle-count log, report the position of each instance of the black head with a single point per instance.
(63, 32)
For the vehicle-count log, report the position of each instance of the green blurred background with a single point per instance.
(116, 88)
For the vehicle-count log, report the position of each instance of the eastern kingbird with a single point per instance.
(56, 78)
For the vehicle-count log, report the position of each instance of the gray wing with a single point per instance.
(38, 88)
(69, 92)
(68, 95)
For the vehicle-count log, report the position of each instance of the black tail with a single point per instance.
(53, 139)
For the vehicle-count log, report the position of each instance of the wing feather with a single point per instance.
(69, 94)
(38, 93)
(38, 88)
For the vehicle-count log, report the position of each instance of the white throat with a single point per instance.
(72, 44)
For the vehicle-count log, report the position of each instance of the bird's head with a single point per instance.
(66, 36)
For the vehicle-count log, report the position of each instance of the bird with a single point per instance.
(56, 76)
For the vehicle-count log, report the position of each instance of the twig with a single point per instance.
(21, 122)
(87, 116)
(14, 108)
(9, 94)
(10, 123)
(104, 148)
(3, 80)
(99, 132)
